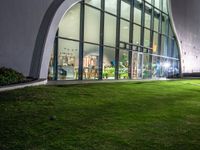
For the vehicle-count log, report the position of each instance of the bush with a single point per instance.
(10, 76)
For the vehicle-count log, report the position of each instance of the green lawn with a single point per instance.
(110, 116)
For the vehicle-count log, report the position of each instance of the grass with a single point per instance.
(112, 116)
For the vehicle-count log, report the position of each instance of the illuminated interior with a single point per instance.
(115, 39)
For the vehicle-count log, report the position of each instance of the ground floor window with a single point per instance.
(65, 63)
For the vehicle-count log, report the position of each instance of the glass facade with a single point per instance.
(115, 39)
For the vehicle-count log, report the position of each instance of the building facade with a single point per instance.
(100, 39)
(115, 39)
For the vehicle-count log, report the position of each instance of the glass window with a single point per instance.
(111, 6)
(140, 64)
(92, 25)
(170, 47)
(70, 25)
(139, 1)
(125, 9)
(149, 1)
(176, 70)
(157, 4)
(124, 31)
(68, 60)
(171, 34)
(136, 34)
(134, 65)
(90, 62)
(155, 43)
(155, 67)
(137, 15)
(156, 24)
(176, 50)
(51, 70)
(110, 30)
(146, 38)
(165, 25)
(146, 66)
(147, 20)
(96, 3)
(123, 64)
(165, 6)
(164, 46)
(109, 63)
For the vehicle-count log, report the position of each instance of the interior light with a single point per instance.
(166, 64)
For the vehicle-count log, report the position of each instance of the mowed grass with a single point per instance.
(106, 116)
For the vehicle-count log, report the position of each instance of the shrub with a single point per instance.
(10, 76)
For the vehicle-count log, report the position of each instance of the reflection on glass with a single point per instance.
(90, 62)
(92, 25)
(109, 63)
(123, 64)
(68, 60)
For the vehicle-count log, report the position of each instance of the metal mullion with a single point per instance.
(152, 27)
(81, 44)
(86, 4)
(142, 25)
(168, 26)
(131, 38)
(101, 48)
(117, 40)
(55, 62)
(160, 34)
(151, 39)
(172, 52)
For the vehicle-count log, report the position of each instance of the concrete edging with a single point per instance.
(23, 85)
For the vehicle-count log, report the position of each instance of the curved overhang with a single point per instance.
(46, 37)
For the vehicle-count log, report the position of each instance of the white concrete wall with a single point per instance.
(20, 21)
(187, 23)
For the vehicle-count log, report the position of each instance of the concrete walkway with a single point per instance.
(22, 85)
(71, 82)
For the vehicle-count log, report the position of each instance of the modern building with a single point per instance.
(100, 39)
